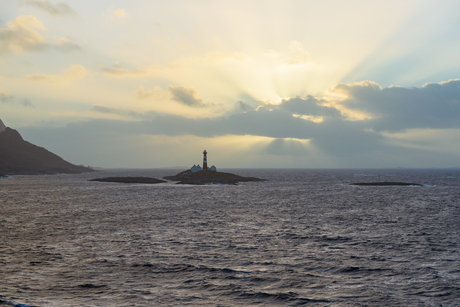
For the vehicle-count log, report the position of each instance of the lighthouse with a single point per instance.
(205, 160)
(197, 168)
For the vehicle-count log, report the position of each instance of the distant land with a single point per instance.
(19, 157)
(148, 180)
(386, 184)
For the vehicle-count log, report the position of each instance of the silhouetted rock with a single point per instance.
(386, 184)
(19, 157)
(209, 177)
(2, 126)
(149, 180)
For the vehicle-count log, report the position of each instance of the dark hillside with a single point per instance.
(19, 157)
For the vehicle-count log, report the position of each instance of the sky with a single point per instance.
(258, 84)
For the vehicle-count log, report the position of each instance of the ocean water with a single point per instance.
(304, 237)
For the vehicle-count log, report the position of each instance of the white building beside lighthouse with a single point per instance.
(197, 168)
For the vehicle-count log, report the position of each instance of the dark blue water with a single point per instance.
(305, 237)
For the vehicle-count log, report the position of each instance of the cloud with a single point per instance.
(309, 106)
(115, 111)
(58, 9)
(66, 45)
(184, 64)
(156, 93)
(27, 103)
(435, 105)
(6, 97)
(394, 109)
(186, 95)
(117, 14)
(117, 72)
(335, 141)
(243, 106)
(290, 128)
(120, 13)
(75, 72)
(21, 35)
(141, 93)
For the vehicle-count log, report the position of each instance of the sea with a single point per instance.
(303, 238)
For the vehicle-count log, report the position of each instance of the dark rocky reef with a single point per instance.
(19, 157)
(209, 177)
(148, 180)
(384, 184)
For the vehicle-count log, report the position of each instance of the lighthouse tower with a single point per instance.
(205, 160)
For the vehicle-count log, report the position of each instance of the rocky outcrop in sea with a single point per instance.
(209, 177)
(148, 180)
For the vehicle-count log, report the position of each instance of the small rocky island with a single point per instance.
(199, 176)
(148, 180)
(386, 184)
(209, 177)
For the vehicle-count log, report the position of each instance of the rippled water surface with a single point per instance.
(305, 237)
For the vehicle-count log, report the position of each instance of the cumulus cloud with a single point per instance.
(75, 72)
(186, 95)
(24, 34)
(58, 9)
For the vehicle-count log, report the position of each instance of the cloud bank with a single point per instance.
(393, 109)
(290, 128)
(435, 105)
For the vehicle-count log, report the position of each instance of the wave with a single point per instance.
(6, 302)
(172, 268)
